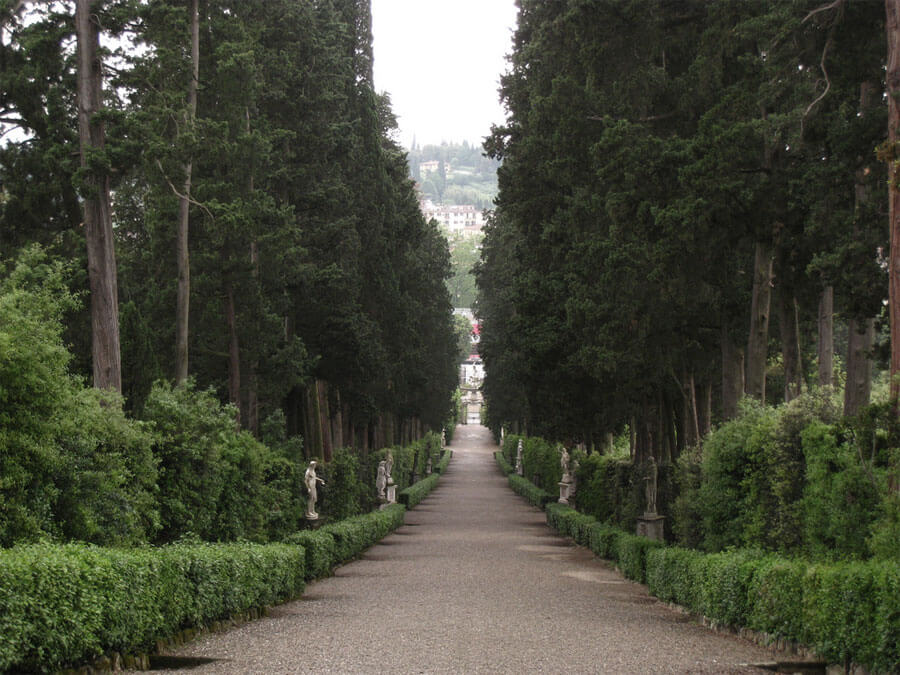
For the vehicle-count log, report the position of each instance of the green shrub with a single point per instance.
(851, 612)
(210, 473)
(444, 462)
(567, 521)
(540, 460)
(510, 447)
(354, 535)
(525, 488)
(344, 493)
(64, 605)
(724, 581)
(631, 555)
(505, 466)
(673, 576)
(774, 598)
(320, 552)
(603, 540)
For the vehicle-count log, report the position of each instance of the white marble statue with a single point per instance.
(443, 438)
(310, 479)
(566, 465)
(520, 466)
(388, 467)
(381, 481)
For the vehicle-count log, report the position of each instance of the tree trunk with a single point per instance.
(860, 338)
(892, 76)
(790, 343)
(98, 232)
(234, 352)
(321, 389)
(755, 384)
(826, 337)
(183, 299)
(337, 426)
(732, 375)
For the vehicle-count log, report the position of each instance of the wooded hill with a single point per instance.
(263, 235)
(691, 209)
(464, 176)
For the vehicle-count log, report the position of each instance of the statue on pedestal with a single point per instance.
(381, 481)
(650, 487)
(520, 467)
(565, 485)
(443, 438)
(310, 479)
(391, 488)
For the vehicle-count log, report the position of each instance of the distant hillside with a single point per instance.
(454, 174)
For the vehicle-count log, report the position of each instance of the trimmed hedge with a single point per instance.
(525, 488)
(415, 493)
(444, 461)
(569, 522)
(95, 600)
(848, 612)
(320, 551)
(505, 466)
(354, 535)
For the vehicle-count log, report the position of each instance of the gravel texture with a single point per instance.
(475, 582)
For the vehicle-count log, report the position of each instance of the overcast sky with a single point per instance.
(441, 60)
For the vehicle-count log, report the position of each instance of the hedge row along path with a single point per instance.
(475, 581)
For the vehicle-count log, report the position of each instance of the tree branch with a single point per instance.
(181, 196)
(824, 8)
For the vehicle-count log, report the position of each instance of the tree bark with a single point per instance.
(826, 337)
(732, 375)
(183, 299)
(324, 419)
(755, 383)
(892, 76)
(790, 343)
(98, 232)
(860, 338)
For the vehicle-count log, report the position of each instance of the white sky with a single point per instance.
(441, 60)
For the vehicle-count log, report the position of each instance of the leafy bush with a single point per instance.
(64, 605)
(540, 460)
(444, 462)
(569, 522)
(672, 576)
(72, 465)
(525, 488)
(774, 593)
(210, 473)
(354, 535)
(344, 493)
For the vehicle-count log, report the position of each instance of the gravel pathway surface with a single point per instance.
(474, 582)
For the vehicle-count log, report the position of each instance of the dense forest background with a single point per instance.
(691, 209)
(201, 204)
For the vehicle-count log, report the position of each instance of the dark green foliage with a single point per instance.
(210, 473)
(525, 488)
(73, 465)
(94, 600)
(671, 576)
(541, 461)
(344, 492)
(773, 594)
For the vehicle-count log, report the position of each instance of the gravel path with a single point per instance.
(475, 582)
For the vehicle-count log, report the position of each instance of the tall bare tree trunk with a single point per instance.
(98, 232)
(790, 343)
(183, 299)
(826, 337)
(757, 353)
(732, 375)
(892, 25)
(324, 420)
(860, 338)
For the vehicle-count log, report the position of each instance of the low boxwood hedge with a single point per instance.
(67, 604)
(505, 466)
(569, 522)
(354, 535)
(320, 551)
(416, 492)
(525, 488)
(444, 461)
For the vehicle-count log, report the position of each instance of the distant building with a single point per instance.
(426, 168)
(465, 219)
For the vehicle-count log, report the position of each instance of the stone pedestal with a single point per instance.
(650, 525)
(564, 492)
(392, 494)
